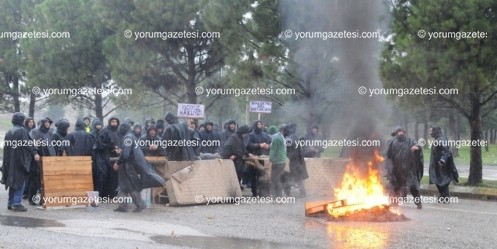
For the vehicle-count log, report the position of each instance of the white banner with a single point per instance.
(190, 110)
(260, 106)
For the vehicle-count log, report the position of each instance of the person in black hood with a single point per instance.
(29, 124)
(160, 127)
(298, 170)
(129, 121)
(313, 137)
(235, 149)
(148, 122)
(229, 129)
(258, 145)
(17, 162)
(81, 142)
(137, 130)
(62, 145)
(44, 139)
(109, 139)
(407, 166)
(177, 131)
(209, 138)
(134, 174)
(101, 165)
(442, 167)
(150, 143)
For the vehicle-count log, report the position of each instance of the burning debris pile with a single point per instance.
(360, 196)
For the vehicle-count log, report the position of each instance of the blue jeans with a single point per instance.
(15, 196)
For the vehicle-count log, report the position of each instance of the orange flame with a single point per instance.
(359, 190)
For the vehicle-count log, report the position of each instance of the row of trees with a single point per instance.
(251, 52)
(468, 65)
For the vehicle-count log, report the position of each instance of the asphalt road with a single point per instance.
(465, 224)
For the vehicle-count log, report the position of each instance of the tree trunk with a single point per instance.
(452, 132)
(16, 94)
(192, 74)
(425, 130)
(32, 102)
(475, 162)
(416, 130)
(99, 109)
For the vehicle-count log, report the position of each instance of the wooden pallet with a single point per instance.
(65, 180)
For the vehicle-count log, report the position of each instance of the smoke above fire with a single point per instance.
(333, 69)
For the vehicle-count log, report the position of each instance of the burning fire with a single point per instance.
(360, 189)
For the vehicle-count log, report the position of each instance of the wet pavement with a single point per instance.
(465, 224)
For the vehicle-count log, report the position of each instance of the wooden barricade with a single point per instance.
(65, 180)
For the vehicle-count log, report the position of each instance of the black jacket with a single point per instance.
(17, 158)
(134, 173)
(176, 131)
(81, 142)
(256, 137)
(442, 175)
(60, 137)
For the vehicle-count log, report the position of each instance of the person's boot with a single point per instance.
(138, 201)
(19, 208)
(121, 209)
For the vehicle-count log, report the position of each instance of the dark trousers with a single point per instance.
(34, 184)
(444, 193)
(253, 175)
(135, 197)
(276, 172)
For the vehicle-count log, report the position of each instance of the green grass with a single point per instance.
(464, 182)
(489, 158)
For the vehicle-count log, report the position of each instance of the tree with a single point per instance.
(467, 65)
(77, 62)
(171, 67)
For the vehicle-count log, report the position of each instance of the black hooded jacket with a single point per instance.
(26, 121)
(147, 141)
(227, 132)
(258, 136)
(81, 142)
(133, 172)
(17, 159)
(295, 155)
(134, 129)
(211, 137)
(40, 134)
(175, 132)
(62, 146)
(109, 138)
(440, 153)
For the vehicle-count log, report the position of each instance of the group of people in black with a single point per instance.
(405, 166)
(120, 169)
